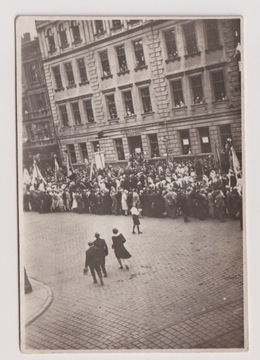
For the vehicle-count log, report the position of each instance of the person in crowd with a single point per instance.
(121, 253)
(93, 261)
(135, 215)
(102, 246)
(124, 202)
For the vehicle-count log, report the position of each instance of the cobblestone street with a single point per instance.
(184, 289)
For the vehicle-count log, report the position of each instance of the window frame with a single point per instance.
(121, 70)
(82, 81)
(96, 144)
(59, 75)
(62, 113)
(76, 123)
(72, 81)
(75, 25)
(69, 148)
(184, 134)
(119, 147)
(87, 109)
(124, 92)
(225, 134)
(188, 52)
(174, 91)
(194, 101)
(203, 146)
(137, 62)
(213, 84)
(141, 89)
(63, 36)
(50, 38)
(212, 47)
(105, 73)
(115, 117)
(175, 55)
(99, 32)
(83, 150)
(151, 145)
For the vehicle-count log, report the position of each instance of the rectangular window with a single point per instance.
(170, 42)
(120, 50)
(146, 100)
(32, 73)
(57, 76)
(76, 113)
(96, 146)
(116, 24)
(69, 73)
(212, 34)
(190, 38)
(105, 63)
(154, 145)
(219, 85)
(111, 106)
(120, 149)
(185, 141)
(205, 140)
(177, 93)
(132, 22)
(30, 132)
(84, 151)
(197, 89)
(89, 110)
(99, 27)
(64, 115)
(225, 133)
(82, 70)
(129, 108)
(39, 102)
(72, 153)
(139, 53)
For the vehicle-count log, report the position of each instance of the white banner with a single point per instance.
(99, 160)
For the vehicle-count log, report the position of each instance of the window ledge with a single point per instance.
(84, 83)
(225, 101)
(78, 125)
(62, 47)
(90, 123)
(123, 72)
(52, 51)
(115, 28)
(194, 107)
(147, 113)
(100, 34)
(59, 89)
(71, 86)
(212, 49)
(77, 42)
(176, 109)
(114, 120)
(106, 77)
(192, 55)
(129, 117)
(63, 127)
(175, 58)
(137, 68)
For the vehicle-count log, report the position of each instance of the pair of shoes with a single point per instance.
(120, 267)
(101, 282)
(105, 275)
(127, 268)
(133, 232)
(140, 232)
(95, 281)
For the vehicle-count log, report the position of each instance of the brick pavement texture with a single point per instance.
(184, 289)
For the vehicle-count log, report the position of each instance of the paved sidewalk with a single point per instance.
(37, 302)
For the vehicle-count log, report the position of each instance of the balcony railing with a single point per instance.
(46, 142)
(37, 114)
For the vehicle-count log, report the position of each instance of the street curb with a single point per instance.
(47, 303)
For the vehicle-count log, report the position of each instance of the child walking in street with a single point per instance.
(135, 215)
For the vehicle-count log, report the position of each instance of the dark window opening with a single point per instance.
(190, 38)
(51, 41)
(154, 145)
(69, 73)
(64, 115)
(139, 53)
(99, 27)
(76, 113)
(105, 63)
(111, 106)
(83, 150)
(89, 110)
(225, 133)
(120, 149)
(178, 94)
(171, 44)
(116, 24)
(185, 142)
(96, 146)
(146, 100)
(212, 33)
(75, 32)
(205, 140)
(63, 36)
(120, 50)
(128, 101)
(33, 74)
(72, 153)
(57, 76)
(219, 85)
(82, 70)
(197, 90)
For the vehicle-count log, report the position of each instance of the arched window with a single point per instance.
(75, 32)
(63, 36)
(51, 41)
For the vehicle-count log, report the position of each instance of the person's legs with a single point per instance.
(134, 229)
(126, 266)
(93, 274)
(139, 232)
(120, 263)
(103, 267)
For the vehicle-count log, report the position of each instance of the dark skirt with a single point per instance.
(122, 253)
(136, 220)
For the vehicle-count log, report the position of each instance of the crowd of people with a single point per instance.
(191, 188)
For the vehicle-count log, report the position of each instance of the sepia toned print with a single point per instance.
(130, 184)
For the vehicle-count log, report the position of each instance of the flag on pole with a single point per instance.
(91, 169)
(37, 174)
(56, 168)
(26, 177)
(236, 164)
(69, 167)
(217, 158)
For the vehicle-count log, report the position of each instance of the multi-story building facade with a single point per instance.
(163, 87)
(38, 127)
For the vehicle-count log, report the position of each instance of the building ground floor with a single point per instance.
(161, 139)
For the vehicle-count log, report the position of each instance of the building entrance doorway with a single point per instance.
(135, 144)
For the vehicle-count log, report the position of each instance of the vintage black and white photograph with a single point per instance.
(130, 183)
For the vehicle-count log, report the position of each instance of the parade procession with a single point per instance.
(131, 183)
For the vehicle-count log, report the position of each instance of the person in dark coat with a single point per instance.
(102, 246)
(93, 261)
(183, 201)
(120, 251)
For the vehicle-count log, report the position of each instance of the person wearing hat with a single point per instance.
(120, 251)
(135, 215)
(102, 246)
(93, 261)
